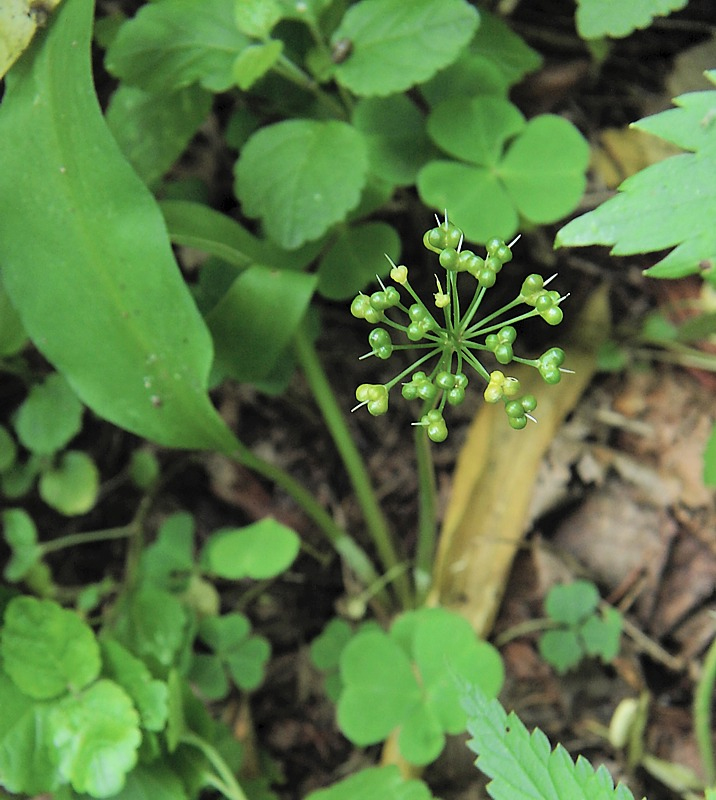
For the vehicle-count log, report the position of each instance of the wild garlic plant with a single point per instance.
(453, 337)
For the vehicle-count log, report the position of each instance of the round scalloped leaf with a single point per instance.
(571, 603)
(72, 486)
(379, 687)
(397, 44)
(46, 649)
(20, 533)
(473, 195)
(394, 131)
(261, 550)
(599, 18)
(384, 782)
(354, 259)
(544, 168)
(475, 129)
(301, 177)
(96, 736)
(49, 417)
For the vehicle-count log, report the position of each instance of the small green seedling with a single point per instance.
(405, 680)
(582, 627)
(456, 341)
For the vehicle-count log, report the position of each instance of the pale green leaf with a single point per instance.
(20, 533)
(691, 126)
(602, 634)
(50, 416)
(573, 602)
(396, 44)
(96, 736)
(85, 255)
(72, 485)
(300, 177)
(421, 737)
(261, 550)
(170, 44)
(46, 649)
(254, 62)
(153, 129)
(385, 783)
(256, 18)
(597, 18)
(354, 259)
(561, 648)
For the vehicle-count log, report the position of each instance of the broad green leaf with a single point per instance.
(300, 177)
(96, 734)
(27, 755)
(85, 255)
(597, 18)
(374, 782)
(46, 649)
(496, 42)
(20, 533)
(261, 550)
(19, 20)
(475, 130)
(474, 195)
(170, 44)
(12, 334)
(153, 129)
(561, 648)
(50, 416)
(155, 781)
(8, 449)
(668, 204)
(379, 687)
(148, 695)
(521, 765)
(254, 62)
(257, 319)
(355, 258)
(256, 18)
(394, 133)
(691, 126)
(544, 168)
(571, 603)
(72, 485)
(167, 562)
(396, 45)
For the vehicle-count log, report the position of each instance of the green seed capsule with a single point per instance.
(444, 380)
(450, 258)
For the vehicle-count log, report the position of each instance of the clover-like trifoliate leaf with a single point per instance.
(261, 550)
(670, 204)
(149, 695)
(20, 533)
(170, 44)
(354, 259)
(522, 765)
(570, 603)
(96, 736)
(46, 649)
(49, 417)
(395, 45)
(598, 18)
(561, 648)
(244, 655)
(301, 177)
(384, 782)
(71, 486)
(602, 634)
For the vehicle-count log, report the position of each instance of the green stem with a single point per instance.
(702, 714)
(73, 539)
(427, 523)
(227, 783)
(374, 518)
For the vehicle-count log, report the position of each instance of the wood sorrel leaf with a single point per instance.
(300, 177)
(47, 650)
(396, 44)
(173, 43)
(85, 255)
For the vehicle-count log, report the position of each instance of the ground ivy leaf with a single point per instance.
(474, 195)
(384, 782)
(72, 485)
(598, 18)
(379, 687)
(96, 734)
(170, 44)
(354, 259)
(149, 695)
(300, 177)
(46, 649)
(20, 533)
(50, 416)
(544, 168)
(521, 765)
(475, 129)
(261, 550)
(153, 130)
(394, 132)
(396, 44)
